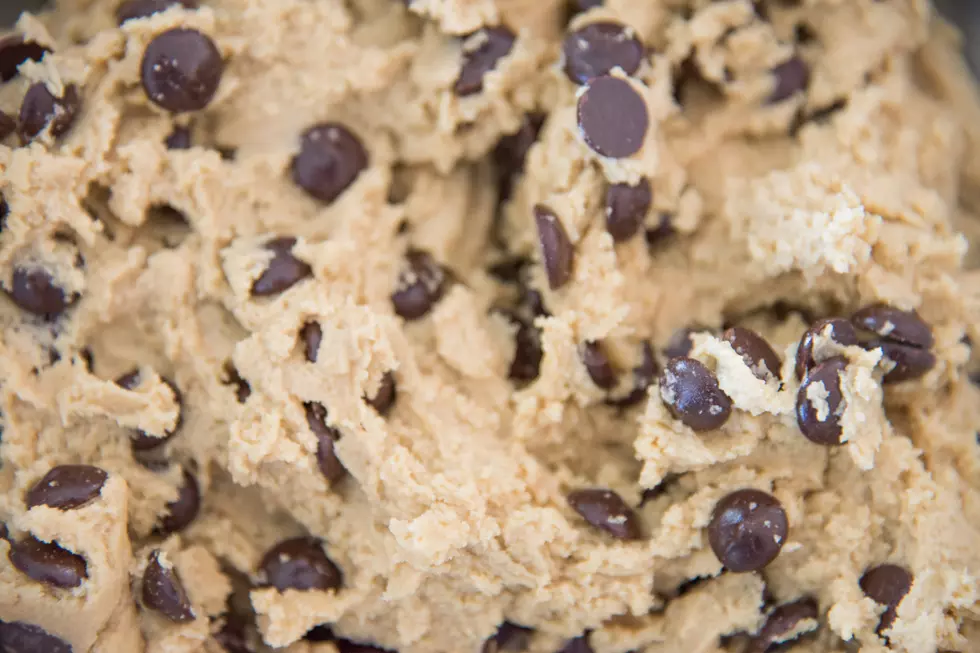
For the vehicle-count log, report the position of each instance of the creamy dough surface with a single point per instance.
(449, 326)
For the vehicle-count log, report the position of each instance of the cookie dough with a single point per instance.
(441, 326)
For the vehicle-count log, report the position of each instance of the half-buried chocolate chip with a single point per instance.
(789, 78)
(181, 512)
(643, 375)
(903, 337)
(7, 125)
(747, 530)
(163, 592)
(626, 208)
(141, 440)
(14, 51)
(326, 457)
(133, 9)
(179, 139)
(20, 637)
(607, 511)
(509, 638)
(67, 487)
(598, 48)
(420, 285)
(36, 291)
(311, 334)
(48, 563)
(481, 53)
(838, 330)
(299, 564)
(691, 393)
(330, 158)
(886, 584)
(598, 366)
(758, 354)
(181, 70)
(820, 403)
(284, 270)
(384, 398)
(557, 253)
(781, 623)
(612, 117)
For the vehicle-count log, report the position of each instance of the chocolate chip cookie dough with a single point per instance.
(451, 326)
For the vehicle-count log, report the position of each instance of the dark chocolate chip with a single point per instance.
(526, 364)
(321, 633)
(612, 117)
(758, 354)
(643, 375)
(821, 423)
(133, 9)
(384, 398)
(747, 530)
(511, 151)
(311, 334)
(41, 108)
(300, 564)
(598, 366)
(607, 511)
(242, 389)
(233, 637)
(87, 358)
(141, 440)
(36, 291)
(67, 487)
(840, 332)
(326, 457)
(164, 593)
(4, 212)
(691, 393)
(910, 362)
(789, 78)
(129, 380)
(182, 511)
(14, 51)
(780, 623)
(557, 252)
(886, 584)
(598, 48)
(680, 343)
(330, 158)
(179, 139)
(657, 236)
(894, 325)
(578, 645)
(181, 70)
(48, 563)
(626, 208)
(420, 286)
(509, 638)
(20, 637)
(7, 125)
(510, 270)
(284, 270)
(491, 44)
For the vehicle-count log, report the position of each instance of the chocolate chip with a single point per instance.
(607, 511)
(886, 584)
(300, 564)
(490, 45)
(789, 78)
(242, 389)
(557, 252)
(14, 51)
(841, 332)
(330, 158)
(4, 212)
(181, 70)
(233, 637)
(179, 139)
(347, 646)
(41, 108)
(311, 334)
(680, 343)
(20, 637)
(910, 362)
(820, 422)
(284, 270)
(526, 364)
(7, 125)
(657, 236)
(384, 398)
(747, 530)
(598, 48)
(692, 394)
(48, 563)
(36, 291)
(598, 366)
(67, 487)
(612, 117)
(758, 354)
(578, 6)
(780, 623)
(164, 593)
(508, 638)
(420, 286)
(130, 380)
(643, 375)
(133, 9)
(895, 325)
(512, 149)
(182, 511)
(321, 633)
(141, 440)
(326, 457)
(578, 645)
(626, 207)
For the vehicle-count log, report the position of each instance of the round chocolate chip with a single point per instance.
(643, 375)
(133, 9)
(789, 78)
(7, 125)
(14, 51)
(67, 487)
(612, 117)
(820, 403)
(284, 270)
(48, 563)
(384, 398)
(837, 329)
(489, 46)
(141, 440)
(557, 252)
(509, 638)
(182, 511)
(886, 584)
(598, 366)
(420, 286)
(895, 325)
(511, 151)
(330, 158)
(606, 510)
(910, 362)
(781, 623)
(36, 291)
(598, 48)
(311, 334)
(747, 530)
(758, 354)
(179, 139)
(20, 637)
(164, 593)
(181, 70)
(692, 394)
(326, 457)
(300, 564)
(626, 207)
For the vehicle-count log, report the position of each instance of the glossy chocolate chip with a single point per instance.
(133, 9)
(179, 139)
(311, 334)
(20, 637)
(526, 364)
(48, 563)
(326, 457)
(489, 46)
(691, 393)
(557, 253)
(643, 375)
(747, 530)
(284, 270)
(36, 291)
(789, 78)
(895, 325)
(612, 117)
(242, 388)
(141, 440)
(330, 158)
(181, 70)
(781, 622)
(626, 208)
(819, 420)
(14, 51)
(597, 48)
(67, 487)
(384, 398)
(164, 593)
(607, 511)
(7, 125)
(300, 564)
(757, 353)
(420, 285)
(840, 331)
(182, 511)
(598, 366)
(886, 584)
(910, 362)
(509, 638)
